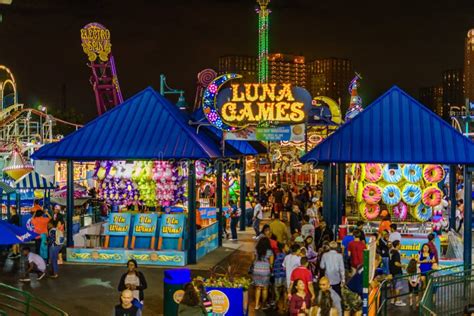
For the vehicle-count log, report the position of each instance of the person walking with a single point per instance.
(291, 262)
(278, 195)
(134, 281)
(257, 217)
(279, 273)
(383, 250)
(300, 302)
(248, 209)
(355, 251)
(303, 273)
(191, 305)
(295, 220)
(262, 269)
(40, 222)
(328, 302)
(126, 308)
(322, 233)
(55, 243)
(333, 264)
(280, 230)
(235, 213)
(36, 265)
(14, 220)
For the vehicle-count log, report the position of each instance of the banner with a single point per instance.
(145, 225)
(411, 246)
(207, 212)
(172, 225)
(119, 224)
(294, 133)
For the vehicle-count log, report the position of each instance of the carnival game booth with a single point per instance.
(397, 147)
(147, 161)
(6, 192)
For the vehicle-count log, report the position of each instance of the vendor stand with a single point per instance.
(394, 129)
(149, 135)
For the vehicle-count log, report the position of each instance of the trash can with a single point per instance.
(173, 284)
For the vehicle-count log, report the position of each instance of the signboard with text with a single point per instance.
(145, 225)
(410, 247)
(294, 133)
(172, 225)
(119, 224)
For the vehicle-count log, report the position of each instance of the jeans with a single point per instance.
(256, 226)
(249, 215)
(53, 257)
(233, 226)
(385, 265)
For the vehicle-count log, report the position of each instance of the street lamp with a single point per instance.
(165, 89)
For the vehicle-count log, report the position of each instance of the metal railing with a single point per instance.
(13, 300)
(448, 294)
(384, 295)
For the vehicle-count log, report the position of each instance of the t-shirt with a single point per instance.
(280, 230)
(131, 311)
(290, 263)
(274, 246)
(394, 258)
(304, 275)
(356, 248)
(395, 236)
(384, 225)
(37, 260)
(278, 269)
(345, 242)
(133, 279)
(257, 211)
(307, 230)
(40, 224)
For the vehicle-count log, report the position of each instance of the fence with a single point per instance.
(448, 294)
(14, 301)
(383, 295)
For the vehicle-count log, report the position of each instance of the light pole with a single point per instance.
(165, 89)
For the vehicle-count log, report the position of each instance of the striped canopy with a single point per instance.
(33, 180)
(6, 189)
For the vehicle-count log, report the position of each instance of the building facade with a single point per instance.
(286, 68)
(242, 65)
(469, 66)
(432, 97)
(453, 91)
(331, 77)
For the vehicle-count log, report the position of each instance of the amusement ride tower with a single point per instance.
(263, 13)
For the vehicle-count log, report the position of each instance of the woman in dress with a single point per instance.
(133, 280)
(261, 270)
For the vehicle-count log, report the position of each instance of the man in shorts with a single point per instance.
(36, 265)
(396, 272)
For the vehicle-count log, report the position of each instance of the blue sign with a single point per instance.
(208, 212)
(172, 225)
(410, 247)
(119, 224)
(227, 301)
(207, 240)
(145, 225)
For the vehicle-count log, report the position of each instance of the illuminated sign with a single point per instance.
(96, 41)
(252, 103)
(256, 104)
(145, 225)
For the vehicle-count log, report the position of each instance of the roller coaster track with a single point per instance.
(12, 116)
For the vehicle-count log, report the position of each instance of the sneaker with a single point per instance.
(254, 237)
(25, 280)
(41, 276)
(54, 276)
(400, 303)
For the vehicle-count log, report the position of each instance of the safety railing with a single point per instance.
(13, 300)
(380, 300)
(448, 294)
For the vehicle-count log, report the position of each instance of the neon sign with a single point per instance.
(96, 41)
(248, 104)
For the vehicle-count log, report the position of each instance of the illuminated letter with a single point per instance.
(285, 92)
(268, 92)
(228, 111)
(246, 113)
(280, 108)
(297, 114)
(236, 96)
(265, 111)
(248, 90)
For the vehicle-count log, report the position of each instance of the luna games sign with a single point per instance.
(96, 41)
(248, 104)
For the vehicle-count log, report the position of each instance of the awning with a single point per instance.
(33, 181)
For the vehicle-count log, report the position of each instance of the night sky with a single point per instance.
(408, 43)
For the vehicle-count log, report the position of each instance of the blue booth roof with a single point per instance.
(146, 126)
(395, 128)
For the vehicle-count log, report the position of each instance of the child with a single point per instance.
(413, 281)
(396, 271)
(279, 273)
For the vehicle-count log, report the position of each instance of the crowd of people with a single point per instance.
(303, 270)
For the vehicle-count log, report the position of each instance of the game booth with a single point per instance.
(150, 174)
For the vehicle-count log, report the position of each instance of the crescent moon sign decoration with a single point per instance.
(209, 102)
(333, 108)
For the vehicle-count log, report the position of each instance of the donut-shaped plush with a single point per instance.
(372, 193)
(373, 172)
(422, 212)
(359, 196)
(432, 196)
(411, 194)
(369, 211)
(392, 175)
(433, 173)
(391, 195)
(412, 173)
(400, 211)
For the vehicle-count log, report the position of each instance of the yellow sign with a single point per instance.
(96, 41)
(220, 302)
(257, 102)
(178, 296)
